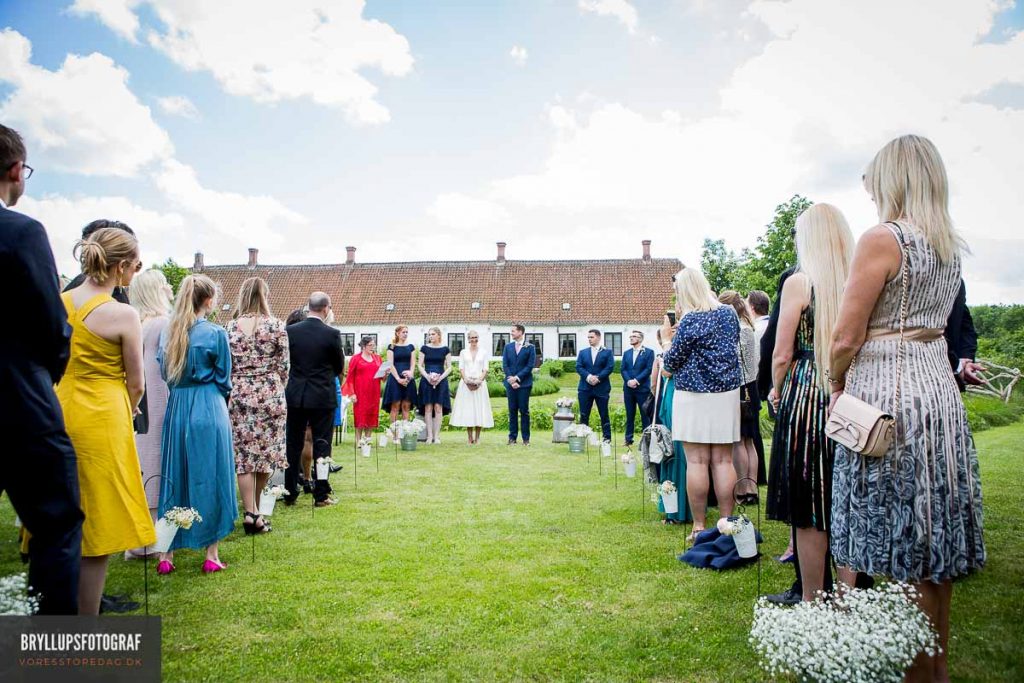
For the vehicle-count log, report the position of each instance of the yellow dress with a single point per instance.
(98, 418)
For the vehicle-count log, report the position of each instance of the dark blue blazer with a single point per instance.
(35, 352)
(602, 369)
(518, 364)
(638, 369)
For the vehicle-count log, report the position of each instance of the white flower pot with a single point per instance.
(382, 441)
(267, 503)
(165, 532)
(630, 468)
(746, 541)
(365, 450)
(322, 470)
(593, 439)
(671, 502)
(606, 449)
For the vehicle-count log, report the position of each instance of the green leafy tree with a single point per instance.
(760, 267)
(718, 263)
(173, 272)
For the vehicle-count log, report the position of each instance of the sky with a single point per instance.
(421, 131)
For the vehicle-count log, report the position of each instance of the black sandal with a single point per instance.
(252, 528)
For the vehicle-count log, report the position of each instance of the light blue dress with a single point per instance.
(197, 460)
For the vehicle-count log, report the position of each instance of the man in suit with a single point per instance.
(41, 474)
(636, 382)
(962, 342)
(316, 359)
(594, 365)
(517, 361)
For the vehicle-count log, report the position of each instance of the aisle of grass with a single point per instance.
(498, 563)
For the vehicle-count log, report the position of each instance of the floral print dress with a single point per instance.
(259, 372)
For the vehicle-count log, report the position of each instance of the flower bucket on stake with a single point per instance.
(366, 450)
(168, 525)
(323, 468)
(606, 449)
(629, 464)
(742, 531)
(669, 497)
(268, 499)
(165, 532)
(576, 435)
(382, 441)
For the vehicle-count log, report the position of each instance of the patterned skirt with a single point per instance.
(258, 412)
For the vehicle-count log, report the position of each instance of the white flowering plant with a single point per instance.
(578, 430)
(276, 491)
(14, 597)
(183, 518)
(730, 526)
(404, 428)
(365, 441)
(326, 460)
(667, 488)
(628, 458)
(856, 635)
(565, 402)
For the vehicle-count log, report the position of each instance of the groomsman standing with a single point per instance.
(636, 382)
(594, 365)
(517, 361)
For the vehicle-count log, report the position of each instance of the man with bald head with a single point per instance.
(316, 359)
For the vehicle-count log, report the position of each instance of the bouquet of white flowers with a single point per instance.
(183, 518)
(14, 597)
(857, 635)
(730, 526)
(277, 491)
(578, 430)
(404, 428)
(565, 402)
(365, 441)
(666, 488)
(628, 458)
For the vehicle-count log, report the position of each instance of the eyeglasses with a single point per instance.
(26, 170)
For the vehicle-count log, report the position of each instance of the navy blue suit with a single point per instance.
(636, 366)
(40, 474)
(521, 365)
(602, 368)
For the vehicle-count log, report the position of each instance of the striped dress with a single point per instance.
(800, 479)
(914, 514)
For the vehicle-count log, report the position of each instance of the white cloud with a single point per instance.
(462, 212)
(518, 54)
(80, 118)
(620, 9)
(280, 51)
(178, 105)
(118, 15)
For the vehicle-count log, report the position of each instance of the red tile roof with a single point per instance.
(620, 291)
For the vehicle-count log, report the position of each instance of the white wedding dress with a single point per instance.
(472, 408)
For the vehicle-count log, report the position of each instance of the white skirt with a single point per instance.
(471, 408)
(706, 418)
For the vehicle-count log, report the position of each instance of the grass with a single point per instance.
(498, 563)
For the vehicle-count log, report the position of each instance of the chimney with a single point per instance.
(198, 264)
(350, 259)
(647, 250)
(253, 253)
(501, 252)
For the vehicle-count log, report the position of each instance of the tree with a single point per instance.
(761, 267)
(173, 272)
(718, 264)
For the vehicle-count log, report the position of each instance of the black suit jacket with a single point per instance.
(961, 337)
(34, 351)
(119, 293)
(764, 367)
(316, 359)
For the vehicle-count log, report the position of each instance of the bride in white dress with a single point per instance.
(472, 407)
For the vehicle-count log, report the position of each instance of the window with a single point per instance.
(567, 345)
(348, 343)
(498, 341)
(456, 342)
(537, 339)
(372, 336)
(613, 341)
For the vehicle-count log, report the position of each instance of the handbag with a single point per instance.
(656, 440)
(745, 403)
(857, 424)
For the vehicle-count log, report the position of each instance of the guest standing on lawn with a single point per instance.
(595, 365)
(363, 388)
(673, 469)
(517, 361)
(435, 397)
(637, 362)
(400, 389)
(745, 453)
(198, 457)
(259, 372)
(472, 407)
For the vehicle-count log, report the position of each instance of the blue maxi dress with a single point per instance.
(197, 458)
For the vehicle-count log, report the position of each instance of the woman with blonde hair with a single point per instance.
(151, 296)
(198, 462)
(745, 451)
(472, 407)
(259, 372)
(704, 361)
(914, 514)
(400, 391)
(435, 397)
(99, 393)
(801, 474)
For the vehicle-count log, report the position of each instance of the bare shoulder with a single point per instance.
(797, 287)
(878, 240)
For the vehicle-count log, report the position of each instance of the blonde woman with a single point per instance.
(435, 397)
(400, 391)
(704, 361)
(802, 456)
(151, 296)
(99, 393)
(915, 514)
(259, 372)
(744, 452)
(197, 454)
(472, 407)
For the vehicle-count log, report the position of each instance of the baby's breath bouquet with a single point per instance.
(857, 635)
(730, 526)
(276, 491)
(326, 460)
(365, 441)
(666, 488)
(404, 428)
(565, 402)
(14, 597)
(578, 430)
(183, 518)
(628, 458)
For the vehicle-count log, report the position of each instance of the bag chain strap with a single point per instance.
(903, 318)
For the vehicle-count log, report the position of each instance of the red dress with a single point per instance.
(365, 388)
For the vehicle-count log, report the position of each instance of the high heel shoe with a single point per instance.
(164, 567)
(209, 567)
(252, 528)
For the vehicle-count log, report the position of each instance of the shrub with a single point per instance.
(544, 385)
(985, 412)
(569, 367)
(552, 368)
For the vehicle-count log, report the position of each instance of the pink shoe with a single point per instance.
(209, 566)
(165, 567)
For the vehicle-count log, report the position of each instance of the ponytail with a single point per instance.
(194, 291)
(100, 253)
(394, 342)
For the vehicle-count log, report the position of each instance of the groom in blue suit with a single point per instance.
(517, 361)
(594, 365)
(636, 382)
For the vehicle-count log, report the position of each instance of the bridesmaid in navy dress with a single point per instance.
(400, 391)
(435, 398)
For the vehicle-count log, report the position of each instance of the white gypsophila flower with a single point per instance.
(14, 597)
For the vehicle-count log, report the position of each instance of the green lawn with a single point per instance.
(499, 563)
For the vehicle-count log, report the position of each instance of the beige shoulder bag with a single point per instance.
(858, 425)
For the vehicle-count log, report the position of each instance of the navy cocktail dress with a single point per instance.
(433, 361)
(393, 391)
